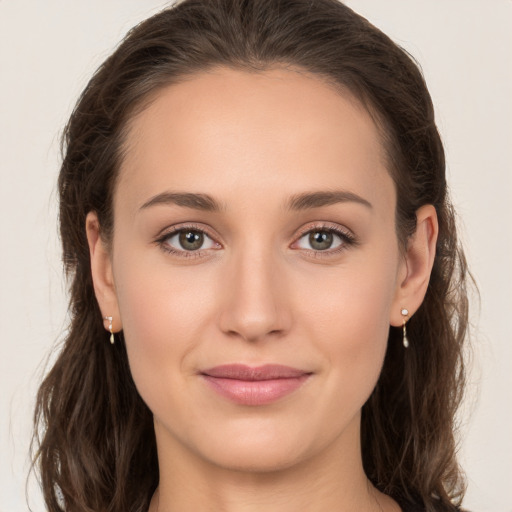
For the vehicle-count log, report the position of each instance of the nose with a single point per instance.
(256, 300)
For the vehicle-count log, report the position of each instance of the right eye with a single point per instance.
(187, 242)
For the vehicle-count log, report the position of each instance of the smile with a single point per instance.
(260, 385)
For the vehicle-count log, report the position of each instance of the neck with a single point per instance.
(331, 480)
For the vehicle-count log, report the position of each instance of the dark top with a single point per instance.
(410, 508)
(407, 506)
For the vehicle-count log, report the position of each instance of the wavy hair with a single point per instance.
(94, 442)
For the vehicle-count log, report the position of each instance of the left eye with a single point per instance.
(189, 240)
(321, 240)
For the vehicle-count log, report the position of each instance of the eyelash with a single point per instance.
(347, 240)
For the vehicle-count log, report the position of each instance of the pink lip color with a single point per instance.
(254, 385)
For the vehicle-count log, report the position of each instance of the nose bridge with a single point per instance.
(256, 300)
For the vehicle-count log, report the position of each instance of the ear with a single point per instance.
(417, 265)
(102, 275)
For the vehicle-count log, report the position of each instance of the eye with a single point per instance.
(187, 241)
(325, 239)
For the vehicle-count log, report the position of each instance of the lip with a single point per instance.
(249, 385)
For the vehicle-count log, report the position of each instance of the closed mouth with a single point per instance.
(247, 385)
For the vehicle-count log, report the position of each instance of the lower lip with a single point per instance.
(258, 392)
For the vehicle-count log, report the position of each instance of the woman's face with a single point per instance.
(255, 225)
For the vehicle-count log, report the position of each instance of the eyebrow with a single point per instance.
(187, 199)
(302, 201)
(307, 200)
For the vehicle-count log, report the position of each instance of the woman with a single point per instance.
(268, 298)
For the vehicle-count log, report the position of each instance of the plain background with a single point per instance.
(49, 49)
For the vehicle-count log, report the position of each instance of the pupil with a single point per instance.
(320, 240)
(191, 240)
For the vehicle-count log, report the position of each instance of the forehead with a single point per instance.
(232, 130)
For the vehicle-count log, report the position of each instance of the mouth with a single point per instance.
(246, 385)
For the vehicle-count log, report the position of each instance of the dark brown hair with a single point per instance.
(95, 444)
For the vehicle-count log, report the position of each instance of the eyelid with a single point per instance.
(327, 226)
(192, 226)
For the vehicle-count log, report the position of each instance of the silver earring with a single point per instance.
(109, 318)
(405, 339)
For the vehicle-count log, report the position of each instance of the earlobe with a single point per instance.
(419, 260)
(102, 274)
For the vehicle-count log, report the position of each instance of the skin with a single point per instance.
(258, 291)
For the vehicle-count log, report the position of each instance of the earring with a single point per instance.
(109, 318)
(405, 340)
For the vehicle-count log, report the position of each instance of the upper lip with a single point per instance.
(254, 373)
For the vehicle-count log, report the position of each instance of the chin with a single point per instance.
(255, 458)
(257, 446)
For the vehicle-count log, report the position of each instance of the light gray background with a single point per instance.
(49, 49)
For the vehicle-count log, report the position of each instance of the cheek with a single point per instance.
(349, 321)
(162, 315)
(352, 303)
